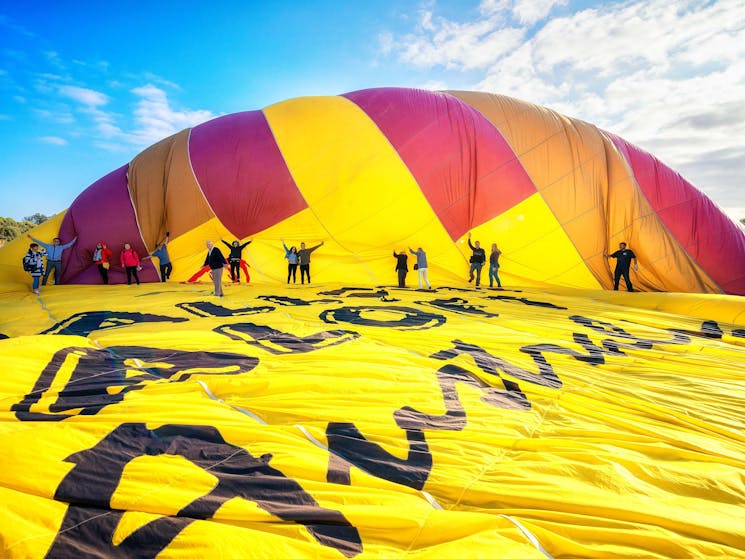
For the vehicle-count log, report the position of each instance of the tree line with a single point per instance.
(11, 229)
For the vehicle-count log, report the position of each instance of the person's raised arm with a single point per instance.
(227, 244)
(244, 245)
(68, 245)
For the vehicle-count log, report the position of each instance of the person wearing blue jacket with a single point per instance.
(54, 257)
(292, 262)
(161, 253)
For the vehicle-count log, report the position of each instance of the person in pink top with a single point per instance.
(130, 261)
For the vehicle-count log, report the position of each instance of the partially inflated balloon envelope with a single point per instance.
(346, 416)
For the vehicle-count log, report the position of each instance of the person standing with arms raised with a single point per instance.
(401, 267)
(303, 258)
(421, 266)
(477, 261)
(236, 259)
(54, 257)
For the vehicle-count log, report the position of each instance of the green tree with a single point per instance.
(36, 219)
(11, 229)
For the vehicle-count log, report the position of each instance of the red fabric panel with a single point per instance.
(242, 174)
(707, 234)
(102, 212)
(465, 168)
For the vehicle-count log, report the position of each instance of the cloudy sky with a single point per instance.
(83, 89)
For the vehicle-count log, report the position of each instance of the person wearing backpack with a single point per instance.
(54, 252)
(33, 263)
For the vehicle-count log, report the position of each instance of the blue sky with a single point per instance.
(85, 86)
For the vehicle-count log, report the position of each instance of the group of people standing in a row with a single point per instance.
(477, 261)
(101, 256)
(215, 261)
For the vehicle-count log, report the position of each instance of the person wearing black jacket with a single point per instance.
(477, 261)
(216, 261)
(623, 258)
(235, 257)
(401, 267)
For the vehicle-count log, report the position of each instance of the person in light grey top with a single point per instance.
(421, 266)
(54, 257)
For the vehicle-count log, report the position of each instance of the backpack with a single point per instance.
(28, 266)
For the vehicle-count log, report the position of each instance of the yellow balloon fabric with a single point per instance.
(350, 418)
(337, 421)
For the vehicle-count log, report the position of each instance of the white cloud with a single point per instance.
(437, 41)
(85, 96)
(668, 77)
(531, 11)
(491, 7)
(54, 140)
(155, 119)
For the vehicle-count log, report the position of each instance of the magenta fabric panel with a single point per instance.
(719, 248)
(102, 212)
(242, 174)
(465, 168)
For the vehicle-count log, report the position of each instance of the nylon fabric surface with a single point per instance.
(310, 421)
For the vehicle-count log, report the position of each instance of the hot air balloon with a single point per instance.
(349, 417)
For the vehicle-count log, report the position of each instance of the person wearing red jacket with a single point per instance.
(130, 261)
(101, 258)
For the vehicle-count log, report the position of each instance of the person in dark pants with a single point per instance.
(130, 261)
(54, 257)
(303, 258)
(477, 261)
(165, 260)
(291, 255)
(235, 258)
(623, 258)
(401, 267)
(216, 261)
(102, 259)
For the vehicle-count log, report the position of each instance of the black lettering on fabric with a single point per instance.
(343, 290)
(3, 336)
(96, 372)
(349, 447)
(525, 301)
(454, 418)
(491, 364)
(738, 332)
(293, 301)
(205, 308)
(631, 342)
(83, 323)
(90, 523)
(410, 318)
(473, 290)
(278, 342)
(460, 306)
(362, 292)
